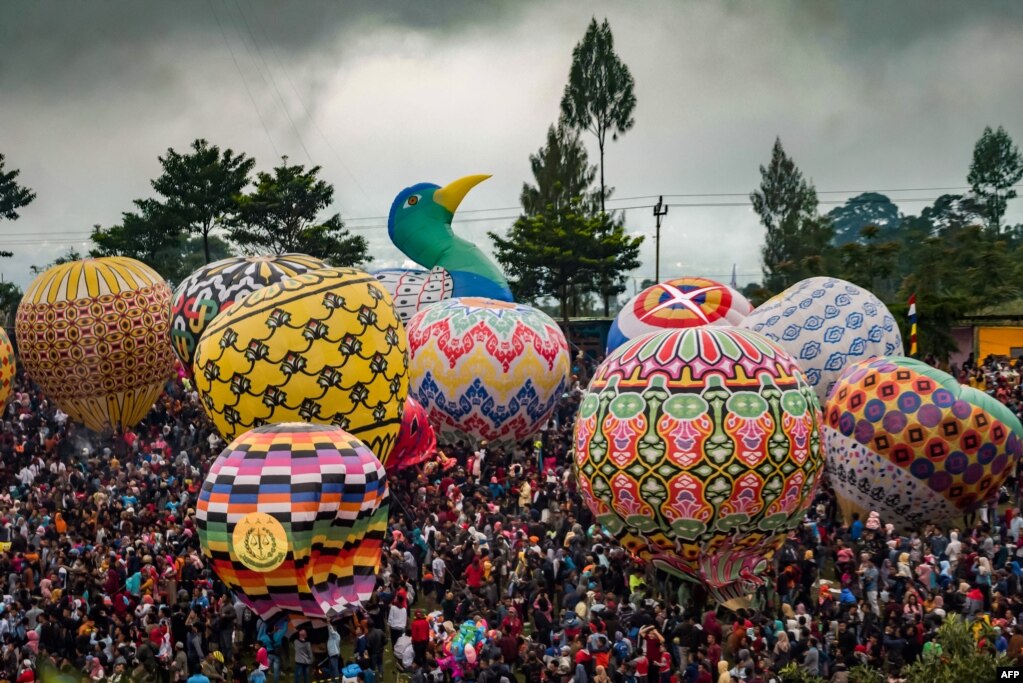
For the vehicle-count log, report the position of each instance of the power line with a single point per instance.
(238, 68)
(513, 216)
(273, 81)
(298, 97)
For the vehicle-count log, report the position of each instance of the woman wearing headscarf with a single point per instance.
(984, 577)
(782, 650)
(723, 675)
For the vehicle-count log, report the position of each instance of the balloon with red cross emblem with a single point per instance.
(677, 304)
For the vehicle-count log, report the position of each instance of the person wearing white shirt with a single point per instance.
(403, 651)
(1015, 527)
(397, 620)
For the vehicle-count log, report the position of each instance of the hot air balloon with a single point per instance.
(417, 442)
(699, 449)
(419, 224)
(908, 441)
(324, 347)
(675, 304)
(486, 370)
(412, 289)
(292, 518)
(94, 335)
(215, 287)
(827, 324)
(8, 369)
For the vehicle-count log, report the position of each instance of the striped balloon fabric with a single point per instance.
(292, 518)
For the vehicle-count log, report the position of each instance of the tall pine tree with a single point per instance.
(600, 93)
(798, 240)
(997, 166)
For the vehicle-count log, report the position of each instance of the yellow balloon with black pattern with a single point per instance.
(95, 335)
(324, 347)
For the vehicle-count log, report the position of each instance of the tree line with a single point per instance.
(566, 252)
(957, 255)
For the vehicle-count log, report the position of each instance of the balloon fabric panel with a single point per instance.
(699, 449)
(325, 492)
(94, 335)
(324, 347)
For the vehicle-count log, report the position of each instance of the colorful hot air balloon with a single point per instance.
(908, 441)
(8, 369)
(417, 442)
(215, 287)
(675, 304)
(292, 518)
(486, 370)
(324, 347)
(699, 449)
(827, 324)
(414, 289)
(94, 335)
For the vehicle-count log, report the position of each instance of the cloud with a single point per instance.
(865, 95)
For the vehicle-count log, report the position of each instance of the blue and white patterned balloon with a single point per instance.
(826, 324)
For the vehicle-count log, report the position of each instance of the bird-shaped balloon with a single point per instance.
(419, 224)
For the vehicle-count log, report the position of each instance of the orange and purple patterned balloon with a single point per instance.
(909, 442)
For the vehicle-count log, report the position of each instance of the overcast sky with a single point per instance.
(866, 95)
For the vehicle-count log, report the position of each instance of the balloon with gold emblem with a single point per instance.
(292, 518)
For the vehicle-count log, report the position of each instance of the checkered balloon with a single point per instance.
(292, 518)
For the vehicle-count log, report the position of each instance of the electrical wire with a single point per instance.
(238, 68)
(273, 81)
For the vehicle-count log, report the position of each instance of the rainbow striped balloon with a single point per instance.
(292, 518)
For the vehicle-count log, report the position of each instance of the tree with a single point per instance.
(797, 244)
(960, 657)
(870, 261)
(12, 196)
(997, 166)
(869, 208)
(562, 246)
(10, 298)
(599, 96)
(151, 235)
(70, 255)
(200, 189)
(617, 255)
(281, 216)
(554, 253)
(561, 171)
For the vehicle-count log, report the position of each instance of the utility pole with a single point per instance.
(660, 210)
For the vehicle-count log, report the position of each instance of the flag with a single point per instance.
(733, 284)
(912, 324)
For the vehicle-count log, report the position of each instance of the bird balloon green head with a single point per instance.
(420, 220)
(419, 224)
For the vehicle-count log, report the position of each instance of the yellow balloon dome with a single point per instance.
(7, 368)
(325, 347)
(94, 334)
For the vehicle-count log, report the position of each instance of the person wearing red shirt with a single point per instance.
(474, 575)
(512, 624)
(420, 637)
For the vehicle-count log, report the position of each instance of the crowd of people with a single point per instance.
(494, 571)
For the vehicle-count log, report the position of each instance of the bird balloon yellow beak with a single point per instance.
(452, 194)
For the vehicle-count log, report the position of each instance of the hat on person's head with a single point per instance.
(179, 645)
(219, 656)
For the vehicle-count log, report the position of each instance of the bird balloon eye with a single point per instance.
(413, 200)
